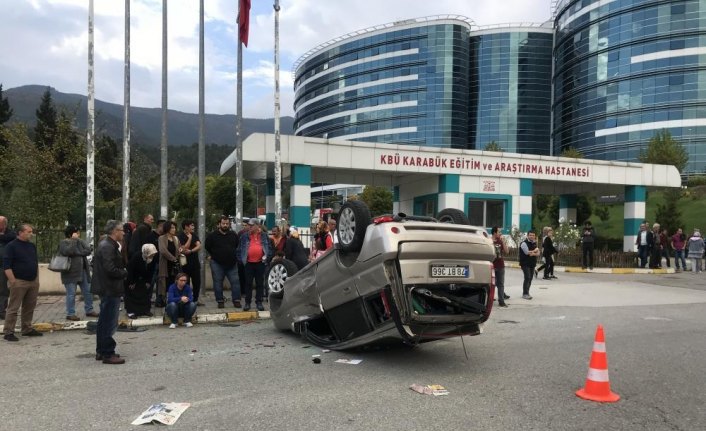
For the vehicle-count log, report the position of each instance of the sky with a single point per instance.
(45, 42)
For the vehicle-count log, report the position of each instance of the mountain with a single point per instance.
(146, 123)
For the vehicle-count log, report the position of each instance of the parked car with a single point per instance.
(394, 278)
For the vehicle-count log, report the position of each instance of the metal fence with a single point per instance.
(601, 258)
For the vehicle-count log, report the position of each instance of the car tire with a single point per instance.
(353, 221)
(278, 273)
(452, 215)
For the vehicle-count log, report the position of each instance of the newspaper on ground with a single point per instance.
(166, 413)
(435, 390)
(349, 361)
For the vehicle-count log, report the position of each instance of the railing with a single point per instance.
(601, 258)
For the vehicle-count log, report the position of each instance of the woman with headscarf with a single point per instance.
(139, 279)
(294, 249)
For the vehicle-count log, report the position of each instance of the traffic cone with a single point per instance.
(597, 386)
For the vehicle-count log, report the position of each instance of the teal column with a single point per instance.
(300, 197)
(270, 203)
(525, 204)
(633, 214)
(567, 208)
(449, 196)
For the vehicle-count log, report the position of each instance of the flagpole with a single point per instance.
(126, 119)
(278, 159)
(90, 137)
(163, 174)
(202, 148)
(238, 125)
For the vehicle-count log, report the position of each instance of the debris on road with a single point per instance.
(349, 361)
(165, 413)
(316, 360)
(435, 390)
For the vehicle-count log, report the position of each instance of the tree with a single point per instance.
(5, 114)
(378, 199)
(5, 110)
(571, 152)
(665, 150)
(45, 129)
(668, 214)
(493, 146)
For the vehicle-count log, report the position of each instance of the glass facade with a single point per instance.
(511, 89)
(405, 84)
(626, 69)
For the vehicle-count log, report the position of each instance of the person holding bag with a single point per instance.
(78, 273)
(169, 250)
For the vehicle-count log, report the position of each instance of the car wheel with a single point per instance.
(353, 220)
(278, 273)
(452, 215)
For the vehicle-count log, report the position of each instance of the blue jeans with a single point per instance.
(679, 254)
(71, 296)
(107, 325)
(219, 272)
(179, 309)
(528, 272)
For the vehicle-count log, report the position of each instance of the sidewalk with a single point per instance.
(50, 314)
(603, 270)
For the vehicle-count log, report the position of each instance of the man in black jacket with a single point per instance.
(588, 241)
(141, 236)
(108, 275)
(222, 246)
(6, 236)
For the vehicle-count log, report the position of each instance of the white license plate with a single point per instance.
(454, 271)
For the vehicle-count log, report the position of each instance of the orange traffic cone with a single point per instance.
(597, 386)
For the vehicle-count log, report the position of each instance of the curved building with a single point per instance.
(438, 81)
(405, 82)
(511, 68)
(626, 69)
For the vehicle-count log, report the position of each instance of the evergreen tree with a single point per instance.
(665, 150)
(493, 146)
(378, 199)
(45, 129)
(5, 110)
(668, 214)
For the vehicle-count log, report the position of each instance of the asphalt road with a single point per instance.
(521, 373)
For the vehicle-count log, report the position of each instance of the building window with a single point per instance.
(486, 213)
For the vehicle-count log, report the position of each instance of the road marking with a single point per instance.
(666, 319)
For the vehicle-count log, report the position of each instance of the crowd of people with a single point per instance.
(656, 244)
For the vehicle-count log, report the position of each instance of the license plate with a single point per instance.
(454, 271)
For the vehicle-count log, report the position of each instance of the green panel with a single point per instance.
(300, 216)
(449, 183)
(396, 194)
(301, 175)
(631, 226)
(635, 193)
(270, 187)
(270, 220)
(567, 201)
(525, 187)
(525, 222)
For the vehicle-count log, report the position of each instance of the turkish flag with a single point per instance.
(244, 20)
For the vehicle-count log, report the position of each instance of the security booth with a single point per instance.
(492, 188)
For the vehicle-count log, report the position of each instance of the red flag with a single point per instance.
(244, 20)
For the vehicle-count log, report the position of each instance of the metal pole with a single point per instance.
(278, 160)
(163, 183)
(90, 136)
(126, 119)
(238, 136)
(202, 148)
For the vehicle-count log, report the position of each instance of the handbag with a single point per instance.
(60, 263)
(182, 259)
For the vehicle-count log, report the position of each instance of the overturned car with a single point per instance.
(394, 278)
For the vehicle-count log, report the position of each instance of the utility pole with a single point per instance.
(238, 134)
(126, 119)
(278, 158)
(163, 176)
(202, 148)
(90, 137)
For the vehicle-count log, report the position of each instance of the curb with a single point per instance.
(237, 316)
(578, 269)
